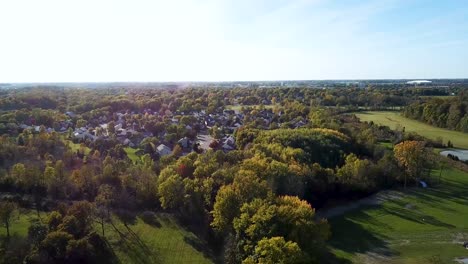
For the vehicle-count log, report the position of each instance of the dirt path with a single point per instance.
(375, 199)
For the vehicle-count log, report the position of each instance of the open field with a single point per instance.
(392, 119)
(131, 153)
(20, 223)
(422, 224)
(165, 241)
(75, 146)
(438, 96)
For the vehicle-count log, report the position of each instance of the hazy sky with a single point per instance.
(222, 40)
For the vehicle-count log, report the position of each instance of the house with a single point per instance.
(230, 141)
(126, 141)
(84, 135)
(70, 114)
(163, 150)
(184, 142)
(227, 147)
(300, 123)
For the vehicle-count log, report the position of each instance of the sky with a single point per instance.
(231, 40)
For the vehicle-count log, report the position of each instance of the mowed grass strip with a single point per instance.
(422, 224)
(163, 241)
(393, 119)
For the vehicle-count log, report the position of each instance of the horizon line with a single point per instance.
(230, 81)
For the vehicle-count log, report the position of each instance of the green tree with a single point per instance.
(171, 192)
(103, 202)
(225, 208)
(7, 213)
(275, 250)
(55, 245)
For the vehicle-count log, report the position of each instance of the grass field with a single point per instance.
(392, 119)
(163, 242)
(131, 153)
(423, 224)
(75, 146)
(438, 96)
(20, 223)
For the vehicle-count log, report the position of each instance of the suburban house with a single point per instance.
(163, 150)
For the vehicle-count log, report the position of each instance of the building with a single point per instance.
(163, 150)
(419, 82)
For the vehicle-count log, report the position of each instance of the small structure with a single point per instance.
(419, 82)
(163, 150)
(184, 142)
(423, 184)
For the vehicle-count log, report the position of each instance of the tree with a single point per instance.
(275, 250)
(55, 245)
(286, 216)
(214, 144)
(411, 155)
(18, 173)
(36, 232)
(177, 151)
(171, 192)
(225, 208)
(111, 127)
(246, 187)
(355, 172)
(7, 212)
(103, 202)
(54, 220)
(82, 211)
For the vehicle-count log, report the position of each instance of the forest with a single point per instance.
(447, 113)
(244, 169)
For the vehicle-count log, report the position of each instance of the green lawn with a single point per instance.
(162, 242)
(422, 224)
(75, 146)
(131, 153)
(438, 96)
(392, 119)
(165, 241)
(21, 222)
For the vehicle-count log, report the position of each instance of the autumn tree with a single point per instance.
(412, 156)
(177, 151)
(246, 187)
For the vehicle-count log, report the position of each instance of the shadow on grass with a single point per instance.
(135, 248)
(352, 238)
(151, 219)
(415, 216)
(199, 246)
